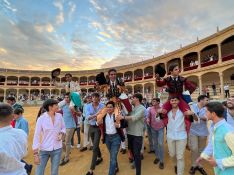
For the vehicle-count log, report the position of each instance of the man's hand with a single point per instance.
(117, 125)
(157, 76)
(92, 117)
(37, 159)
(119, 117)
(212, 162)
(199, 159)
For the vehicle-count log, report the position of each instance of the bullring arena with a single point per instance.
(207, 61)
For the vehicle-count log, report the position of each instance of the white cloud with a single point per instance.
(72, 9)
(60, 16)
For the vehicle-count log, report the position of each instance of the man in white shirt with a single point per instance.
(177, 135)
(226, 90)
(13, 144)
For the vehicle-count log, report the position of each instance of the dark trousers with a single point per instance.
(95, 135)
(77, 130)
(135, 144)
(227, 94)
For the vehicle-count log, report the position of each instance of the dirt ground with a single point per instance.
(80, 162)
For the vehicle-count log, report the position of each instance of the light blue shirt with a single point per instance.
(199, 129)
(91, 111)
(230, 119)
(68, 118)
(13, 147)
(176, 126)
(21, 123)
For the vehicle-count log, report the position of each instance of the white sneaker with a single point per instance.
(78, 146)
(72, 146)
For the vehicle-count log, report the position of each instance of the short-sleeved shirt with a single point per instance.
(199, 129)
(68, 117)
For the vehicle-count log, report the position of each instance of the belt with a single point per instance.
(94, 126)
(112, 134)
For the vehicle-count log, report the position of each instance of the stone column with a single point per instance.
(17, 94)
(200, 84)
(143, 90)
(182, 64)
(221, 85)
(199, 59)
(4, 95)
(154, 90)
(219, 54)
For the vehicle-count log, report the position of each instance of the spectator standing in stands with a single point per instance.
(214, 88)
(226, 90)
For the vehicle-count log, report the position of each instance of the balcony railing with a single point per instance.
(83, 83)
(228, 57)
(12, 83)
(190, 68)
(138, 78)
(148, 77)
(91, 83)
(208, 63)
(127, 80)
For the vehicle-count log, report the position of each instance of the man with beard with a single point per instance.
(230, 111)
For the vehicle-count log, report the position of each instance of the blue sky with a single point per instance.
(91, 34)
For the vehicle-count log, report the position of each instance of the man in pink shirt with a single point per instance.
(157, 128)
(52, 128)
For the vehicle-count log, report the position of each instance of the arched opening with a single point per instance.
(76, 79)
(209, 55)
(138, 88)
(128, 89)
(128, 76)
(2, 80)
(55, 93)
(1, 95)
(12, 80)
(228, 79)
(11, 93)
(57, 79)
(196, 93)
(24, 81)
(190, 61)
(83, 80)
(92, 80)
(173, 61)
(227, 49)
(149, 91)
(63, 80)
(119, 76)
(45, 81)
(35, 81)
(23, 95)
(148, 72)
(34, 94)
(91, 90)
(138, 74)
(45, 94)
(208, 79)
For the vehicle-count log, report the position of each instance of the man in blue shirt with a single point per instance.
(198, 133)
(70, 127)
(94, 131)
(21, 122)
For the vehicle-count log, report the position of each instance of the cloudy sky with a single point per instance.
(91, 34)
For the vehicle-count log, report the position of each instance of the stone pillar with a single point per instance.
(143, 74)
(221, 85)
(17, 94)
(154, 90)
(182, 64)
(200, 84)
(199, 59)
(4, 95)
(29, 81)
(166, 68)
(29, 94)
(219, 54)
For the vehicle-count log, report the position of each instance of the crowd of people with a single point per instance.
(183, 125)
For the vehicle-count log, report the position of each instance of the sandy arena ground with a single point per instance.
(80, 162)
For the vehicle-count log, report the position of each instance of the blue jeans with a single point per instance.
(54, 156)
(113, 144)
(158, 139)
(149, 132)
